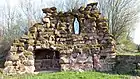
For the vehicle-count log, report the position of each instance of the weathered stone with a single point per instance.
(53, 43)
(22, 56)
(20, 49)
(112, 55)
(43, 46)
(47, 10)
(30, 69)
(25, 37)
(52, 25)
(106, 65)
(30, 48)
(21, 69)
(65, 67)
(33, 29)
(28, 53)
(13, 57)
(81, 67)
(64, 60)
(31, 41)
(109, 50)
(13, 49)
(10, 70)
(124, 67)
(16, 41)
(28, 62)
(30, 57)
(47, 21)
(8, 63)
(38, 47)
(22, 40)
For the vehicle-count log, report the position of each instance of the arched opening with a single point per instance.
(76, 26)
(47, 60)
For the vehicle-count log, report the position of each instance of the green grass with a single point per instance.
(68, 75)
(131, 54)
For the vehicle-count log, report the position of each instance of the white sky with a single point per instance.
(136, 32)
(13, 2)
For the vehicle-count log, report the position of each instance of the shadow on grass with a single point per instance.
(131, 73)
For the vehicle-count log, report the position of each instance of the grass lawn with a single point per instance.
(68, 75)
(131, 54)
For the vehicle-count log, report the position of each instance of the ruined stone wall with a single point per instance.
(57, 32)
(126, 64)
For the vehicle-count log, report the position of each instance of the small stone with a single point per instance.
(28, 62)
(30, 57)
(64, 60)
(8, 63)
(38, 47)
(53, 8)
(21, 49)
(47, 10)
(65, 67)
(46, 20)
(9, 70)
(13, 57)
(30, 48)
(28, 53)
(13, 49)
(30, 69)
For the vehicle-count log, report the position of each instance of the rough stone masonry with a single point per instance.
(56, 33)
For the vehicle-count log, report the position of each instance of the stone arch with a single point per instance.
(22, 53)
(47, 59)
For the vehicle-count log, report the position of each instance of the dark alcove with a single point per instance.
(47, 60)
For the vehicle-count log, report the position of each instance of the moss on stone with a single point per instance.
(85, 48)
(96, 15)
(60, 14)
(18, 44)
(16, 41)
(30, 35)
(64, 40)
(81, 9)
(21, 48)
(28, 53)
(33, 29)
(31, 41)
(14, 57)
(93, 18)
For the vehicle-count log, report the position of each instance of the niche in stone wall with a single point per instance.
(47, 59)
(76, 25)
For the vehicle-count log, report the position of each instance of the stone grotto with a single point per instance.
(55, 45)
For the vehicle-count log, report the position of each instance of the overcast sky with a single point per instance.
(136, 34)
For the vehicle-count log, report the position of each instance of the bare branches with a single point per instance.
(74, 4)
(68, 5)
(31, 10)
(121, 14)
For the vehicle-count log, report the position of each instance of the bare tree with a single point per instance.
(67, 5)
(31, 10)
(10, 27)
(121, 14)
(74, 4)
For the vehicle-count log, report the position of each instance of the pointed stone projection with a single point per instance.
(63, 42)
